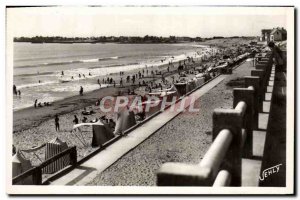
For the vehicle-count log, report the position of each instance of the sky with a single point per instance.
(140, 21)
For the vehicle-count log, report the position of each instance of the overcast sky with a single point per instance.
(141, 21)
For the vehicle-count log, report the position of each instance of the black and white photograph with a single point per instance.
(161, 100)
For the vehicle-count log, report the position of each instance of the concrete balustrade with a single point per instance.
(203, 174)
(262, 81)
(223, 179)
(246, 95)
(254, 81)
(232, 138)
(222, 119)
(216, 153)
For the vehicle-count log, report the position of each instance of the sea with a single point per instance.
(38, 68)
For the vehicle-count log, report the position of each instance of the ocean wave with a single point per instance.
(35, 74)
(35, 84)
(93, 60)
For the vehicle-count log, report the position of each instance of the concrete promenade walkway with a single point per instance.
(87, 171)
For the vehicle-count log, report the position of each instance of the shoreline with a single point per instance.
(33, 127)
(78, 102)
(115, 75)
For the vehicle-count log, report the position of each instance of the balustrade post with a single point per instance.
(73, 156)
(254, 81)
(263, 83)
(37, 176)
(246, 95)
(232, 120)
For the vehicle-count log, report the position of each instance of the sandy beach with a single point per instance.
(35, 126)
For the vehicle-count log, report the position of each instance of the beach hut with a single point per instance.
(20, 165)
(191, 85)
(200, 81)
(101, 133)
(125, 120)
(181, 88)
(53, 148)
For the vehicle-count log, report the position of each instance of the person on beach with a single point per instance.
(79, 75)
(19, 92)
(56, 123)
(15, 89)
(121, 82)
(84, 120)
(111, 124)
(75, 121)
(62, 73)
(81, 91)
(35, 103)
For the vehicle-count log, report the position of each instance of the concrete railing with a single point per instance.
(232, 138)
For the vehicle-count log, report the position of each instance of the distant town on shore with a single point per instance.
(121, 39)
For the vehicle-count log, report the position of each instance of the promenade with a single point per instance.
(140, 162)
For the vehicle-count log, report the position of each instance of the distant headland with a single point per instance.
(112, 39)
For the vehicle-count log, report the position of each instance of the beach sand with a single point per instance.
(35, 126)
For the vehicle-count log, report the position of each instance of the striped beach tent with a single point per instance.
(53, 148)
(20, 165)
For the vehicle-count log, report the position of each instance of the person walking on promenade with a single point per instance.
(75, 121)
(56, 123)
(277, 55)
(81, 91)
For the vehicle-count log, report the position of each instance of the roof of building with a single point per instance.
(278, 29)
(266, 30)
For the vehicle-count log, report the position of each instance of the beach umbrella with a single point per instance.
(20, 165)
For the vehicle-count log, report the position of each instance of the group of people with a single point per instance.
(16, 92)
(103, 119)
(40, 104)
